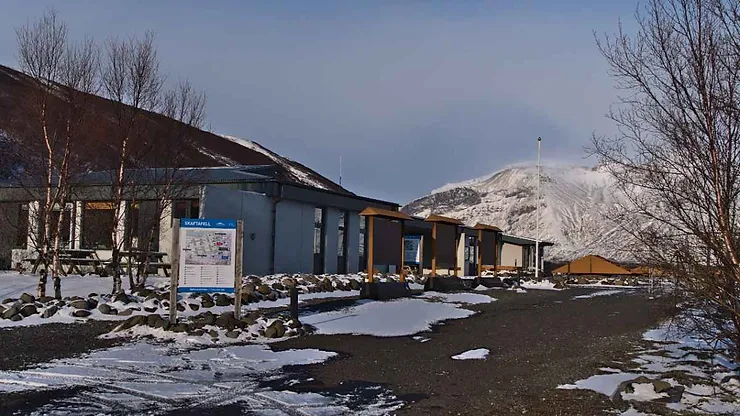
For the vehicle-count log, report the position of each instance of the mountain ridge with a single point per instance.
(574, 206)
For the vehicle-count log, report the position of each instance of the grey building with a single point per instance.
(288, 228)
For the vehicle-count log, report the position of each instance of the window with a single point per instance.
(188, 208)
(21, 236)
(361, 248)
(98, 220)
(318, 241)
(342, 243)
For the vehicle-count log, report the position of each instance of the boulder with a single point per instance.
(27, 298)
(17, 317)
(150, 309)
(559, 285)
(152, 320)
(213, 333)
(10, 312)
(249, 320)
(92, 295)
(289, 282)
(121, 297)
(79, 304)
(256, 281)
(327, 285)
(272, 296)
(311, 279)
(92, 303)
(355, 284)
(81, 313)
(126, 312)
(275, 330)
(197, 332)
(194, 306)
(223, 300)
(28, 310)
(207, 303)
(294, 323)
(46, 299)
(227, 320)
(106, 309)
(264, 289)
(50, 311)
(233, 334)
(181, 327)
(248, 288)
(209, 318)
(278, 286)
(8, 301)
(180, 307)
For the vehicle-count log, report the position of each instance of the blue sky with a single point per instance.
(412, 95)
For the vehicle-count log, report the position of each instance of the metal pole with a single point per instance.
(537, 240)
(175, 269)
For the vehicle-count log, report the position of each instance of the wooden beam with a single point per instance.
(402, 277)
(457, 247)
(369, 249)
(434, 249)
(480, 252)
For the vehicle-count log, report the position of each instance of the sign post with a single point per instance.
(207, 258)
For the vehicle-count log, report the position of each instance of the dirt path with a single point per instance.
(537, 341)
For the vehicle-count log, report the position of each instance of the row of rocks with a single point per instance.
(204, 323)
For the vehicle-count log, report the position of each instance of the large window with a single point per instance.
(361, 249)
(318, 241)
(98, 220)
(342, 243)
(188, 208)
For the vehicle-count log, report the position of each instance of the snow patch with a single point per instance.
(477, 354)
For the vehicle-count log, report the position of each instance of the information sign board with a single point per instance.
(207, 255)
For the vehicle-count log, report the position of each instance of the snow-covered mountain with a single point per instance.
(575, 202)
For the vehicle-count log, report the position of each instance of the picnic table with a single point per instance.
(137, 258)
(76, 259)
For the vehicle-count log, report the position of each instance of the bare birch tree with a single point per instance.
(66, 76)
(677, 152)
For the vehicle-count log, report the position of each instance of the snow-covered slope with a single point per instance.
(297, 171)
(575, 203)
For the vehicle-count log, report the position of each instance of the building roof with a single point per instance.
(445, 220)
(486, 227)
(522, 241)
(592, 264)
(384, 213)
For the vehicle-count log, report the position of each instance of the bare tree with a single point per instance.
(133, 82)
(677, 152)
(66, 76)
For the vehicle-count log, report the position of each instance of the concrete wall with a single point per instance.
(294, 237)
(255, 210)
(511, 255)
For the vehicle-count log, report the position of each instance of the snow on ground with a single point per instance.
(477, 354)
(598, 293)
(481, 288)
(13, 284)
(543, 285)
(710, 381)
(467, 298)
(143, 377)
(392, 318)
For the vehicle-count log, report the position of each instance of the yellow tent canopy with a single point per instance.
(592, 264)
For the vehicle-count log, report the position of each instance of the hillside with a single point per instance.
(575, 201)
(97, 151)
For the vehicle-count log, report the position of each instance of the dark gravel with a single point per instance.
(25, 346)
(537, 341)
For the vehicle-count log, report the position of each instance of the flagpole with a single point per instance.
(537, 205)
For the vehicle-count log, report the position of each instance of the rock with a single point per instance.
(180, 307)
(126, 312)
(272, 296)
(661, 386)
(278, 286)
(27, 298)
(150, 309)
(10, 312)
(355, 284)
(79, 304)
(209, 318)
(160, 323)
(293, 323)
(264, 289)
(17, 317)
(92, 295)
(249, 320)
(181, 327)
(81, 313)
(197, 332)
(289, 282)
(223, 300)
(92, 303)
(227, 320)
(121, 297)
(194, 306)
(50, 311)
(275, 330)
(151, 319)
(46, 299)
(256, 281)
(311, 279)
(7, 301)
(233, 334)
(559, 285)
(213, 333)
(28, 310)
(207, 303)
(248, 289)
(206, 297)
